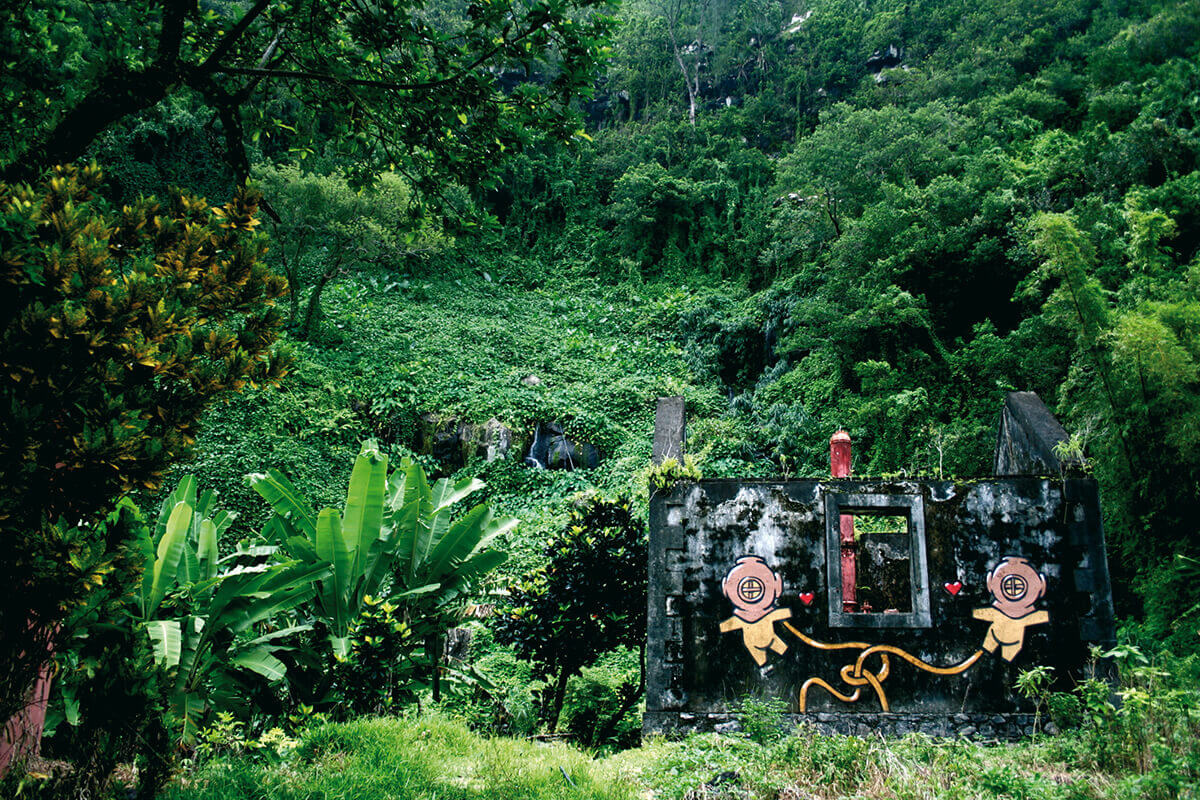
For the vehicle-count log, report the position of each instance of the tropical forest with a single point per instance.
(332, 334)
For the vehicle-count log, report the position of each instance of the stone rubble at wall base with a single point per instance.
(978, 727)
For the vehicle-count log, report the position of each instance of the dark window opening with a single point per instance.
(875, 552)
(882, 555)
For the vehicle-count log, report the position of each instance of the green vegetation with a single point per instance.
(1146, 748)
(119, 327)
(507, 224)
(589, 598)
(200, 611)
(432, 756)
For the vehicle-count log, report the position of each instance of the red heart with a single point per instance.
(807, 598)
(954, 588)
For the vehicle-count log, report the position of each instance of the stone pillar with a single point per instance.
(839, 467)
(670, 430)
(1027, 438)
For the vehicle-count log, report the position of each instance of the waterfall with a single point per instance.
(531, 459)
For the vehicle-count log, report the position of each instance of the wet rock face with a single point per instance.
(497, 440)
(551, 449)
(439, 438)
(454, 442)
(889, 57)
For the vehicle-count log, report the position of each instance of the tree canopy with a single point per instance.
(394, 83)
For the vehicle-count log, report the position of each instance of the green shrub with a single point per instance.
(398, 538)
(509, 706)
(663, 477)
(118, 327)
(591, 596)
(385, 664)
(600, 708)
(227, 737)
(761, 719)
(108, 699)
(1151, 735)
(1066, 710)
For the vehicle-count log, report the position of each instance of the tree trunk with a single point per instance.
(629, 696)
(432, 650)
(692, 82)
(314, 300)
(831, 211)
(560, 694)
(115, 97)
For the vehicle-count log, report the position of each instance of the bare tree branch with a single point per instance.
(230, 39)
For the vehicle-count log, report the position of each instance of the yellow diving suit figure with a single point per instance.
(753, 587)
(1016, 586)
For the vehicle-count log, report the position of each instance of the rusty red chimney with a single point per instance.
(839, 466)
(839, 455)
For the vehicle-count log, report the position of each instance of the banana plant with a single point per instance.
(189, 553)
(210, 618)
(398, 539)
(434, 547)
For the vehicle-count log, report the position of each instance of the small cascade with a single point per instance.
(531, 460)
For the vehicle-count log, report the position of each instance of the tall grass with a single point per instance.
(397, 759)
(1143, 742)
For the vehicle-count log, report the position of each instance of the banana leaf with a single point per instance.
(364, 509)
(278, 491)
(164, 572)
(166, 639)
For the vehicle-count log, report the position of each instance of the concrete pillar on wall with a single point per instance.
(670, 430)
(1028, 436)
(839, 467)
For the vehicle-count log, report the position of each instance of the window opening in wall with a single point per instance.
(875, 551)
(882, 555)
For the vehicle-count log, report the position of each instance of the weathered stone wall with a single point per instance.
(974, 726)
(1027, 437)
(929, 665)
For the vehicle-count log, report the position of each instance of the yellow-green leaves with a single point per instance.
(161, 575)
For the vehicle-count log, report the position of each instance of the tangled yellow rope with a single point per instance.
(857, 675)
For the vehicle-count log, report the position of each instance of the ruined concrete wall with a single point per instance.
(1027, 437)
(929, 667)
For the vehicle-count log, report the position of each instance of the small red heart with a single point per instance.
(954, 588)
(807, 598)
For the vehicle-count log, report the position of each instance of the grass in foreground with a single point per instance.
(396, 759)
(437, 757)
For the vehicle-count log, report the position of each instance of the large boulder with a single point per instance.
(455, 442)
(438, 436)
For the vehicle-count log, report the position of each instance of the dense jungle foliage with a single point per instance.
(1007, 198)
(508, 223)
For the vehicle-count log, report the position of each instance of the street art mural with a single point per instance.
(753, 588)
(1016, 586)
(878, 606)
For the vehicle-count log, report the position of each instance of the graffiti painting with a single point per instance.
(1015, 586)
(753, 587)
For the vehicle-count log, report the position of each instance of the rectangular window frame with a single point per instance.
(912, 508)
